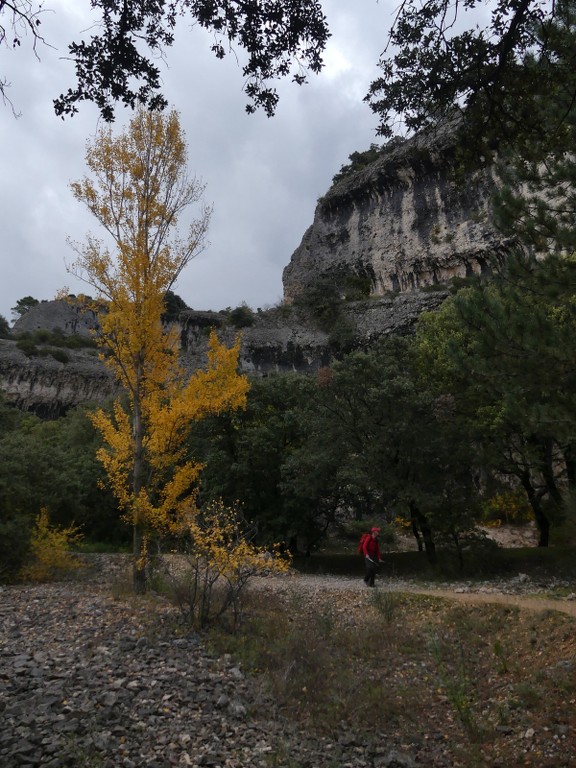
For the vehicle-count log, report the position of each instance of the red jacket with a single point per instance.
(371, 549)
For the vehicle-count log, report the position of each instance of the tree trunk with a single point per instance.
(570, 459)
(535, 500)
(429, 545)
(139, 577)
(139, 571)
(547, 469)
(417, 536)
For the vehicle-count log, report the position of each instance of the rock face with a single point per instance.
(406, 221)
(402, 225)
(280, 340)
(287, 339)
(61, 315)
(49, 387)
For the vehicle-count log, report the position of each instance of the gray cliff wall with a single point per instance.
(287, 339)
(403, 222)
(406, 221)
(62, 315)
(281, 340)
(49, 387)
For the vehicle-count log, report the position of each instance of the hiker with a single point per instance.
(371, 552)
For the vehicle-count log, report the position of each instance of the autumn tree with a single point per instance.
(138, 191)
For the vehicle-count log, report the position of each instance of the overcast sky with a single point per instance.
(263, 175)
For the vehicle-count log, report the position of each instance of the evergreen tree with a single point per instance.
(504, 350)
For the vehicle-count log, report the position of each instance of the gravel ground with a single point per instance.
(87, 681)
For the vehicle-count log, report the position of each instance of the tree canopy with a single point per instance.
(502, 71)
(118, 63)
(503, 351)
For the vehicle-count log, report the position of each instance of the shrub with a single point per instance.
(27, 345)
(60, 355)
(219, 560)
(42, 336)
(50, 550)
(242, 316)
(357, 287)
(509, 507)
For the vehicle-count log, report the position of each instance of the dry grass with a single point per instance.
(458, 685)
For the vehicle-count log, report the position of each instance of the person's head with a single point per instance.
(374, 532)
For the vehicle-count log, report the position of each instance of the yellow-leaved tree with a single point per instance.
(138, 190)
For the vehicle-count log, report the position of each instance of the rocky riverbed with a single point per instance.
(90, 681)
(91, 678)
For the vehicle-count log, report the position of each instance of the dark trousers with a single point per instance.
(370, 571)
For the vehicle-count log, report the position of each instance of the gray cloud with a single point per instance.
(262, 175)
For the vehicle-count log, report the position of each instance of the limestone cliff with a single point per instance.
(403, 224)
(288, 338)
(65, 316)
(282, 340)
(408, 220)
(48, 387)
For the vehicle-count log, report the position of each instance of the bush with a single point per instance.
(219, 560)
(509, 508)
(28, 341)
(50, 550)
(60, 355)
(242, 316)
(27, 345)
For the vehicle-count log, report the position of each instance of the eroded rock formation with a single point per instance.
(410, 219)
(49, 387)
(402, 225)
(281, 340)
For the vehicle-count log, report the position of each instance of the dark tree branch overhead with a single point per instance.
(118, 64)
(276, 35)
(432, 66)
(23, 19)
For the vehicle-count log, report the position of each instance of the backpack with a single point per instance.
(363, 539)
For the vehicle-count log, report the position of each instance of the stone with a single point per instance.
(403, 222)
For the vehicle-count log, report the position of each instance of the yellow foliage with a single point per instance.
(507, 507)
(217, 537)
(138, 190)
(221, 559)
(50, 547)
(167, 414)
(402, 524)
(62, 294)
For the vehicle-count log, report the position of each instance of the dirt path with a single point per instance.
(526, 601)
(520, 601)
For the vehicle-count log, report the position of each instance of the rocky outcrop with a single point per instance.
(408, 220)
(404, 225)
(63, 315)
(49, 387)
(288, 339)
(281, 340)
